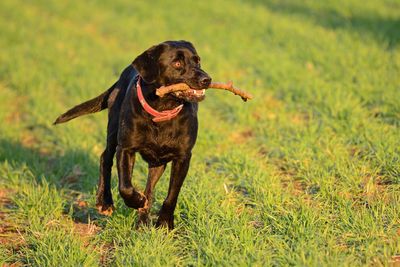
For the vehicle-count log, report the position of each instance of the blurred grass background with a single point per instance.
(307, 173)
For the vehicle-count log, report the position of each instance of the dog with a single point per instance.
(161, 130)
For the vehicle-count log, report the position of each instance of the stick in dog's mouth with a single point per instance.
(195, 92)
(163, 90)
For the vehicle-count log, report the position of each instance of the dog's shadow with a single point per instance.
(72, 172)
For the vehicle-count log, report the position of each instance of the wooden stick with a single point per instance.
(163, 90)
(229, 87)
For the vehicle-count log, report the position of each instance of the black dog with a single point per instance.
(137, 123)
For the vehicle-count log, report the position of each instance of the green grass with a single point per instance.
(306, 174)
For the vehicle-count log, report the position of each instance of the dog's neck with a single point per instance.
(154, 106)
(166, 102)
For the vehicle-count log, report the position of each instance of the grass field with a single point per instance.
(306, 174)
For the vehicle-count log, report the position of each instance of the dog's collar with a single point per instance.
(164, 115)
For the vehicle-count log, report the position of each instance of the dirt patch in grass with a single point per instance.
(299, 119)
(29, 140)
(81, 217)
(395, 261)
(296, 187)
(242, 136)
(269, 110)
(85, 231)
(17, 110)
(372, 190)
(106, 254)
(72, 177)
(10, 235)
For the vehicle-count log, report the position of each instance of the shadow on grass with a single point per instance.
(71, 171)
(384, 30)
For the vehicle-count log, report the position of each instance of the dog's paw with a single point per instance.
(106, 210)
(145, 207)
(165, 222)
(136, 200)
(143, 220)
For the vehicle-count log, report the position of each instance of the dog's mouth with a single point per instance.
(191, 95)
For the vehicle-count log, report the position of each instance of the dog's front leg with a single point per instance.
(125, 162)
(152, 179)
(179, 171)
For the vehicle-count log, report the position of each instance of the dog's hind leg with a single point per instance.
(152, 179)
(104, 201)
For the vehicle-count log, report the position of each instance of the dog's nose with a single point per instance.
(205, 81)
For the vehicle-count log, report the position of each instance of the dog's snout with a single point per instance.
(205, 81)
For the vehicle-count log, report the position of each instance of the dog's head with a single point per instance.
(174, 62)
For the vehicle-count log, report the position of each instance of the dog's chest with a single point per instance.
(159, 145)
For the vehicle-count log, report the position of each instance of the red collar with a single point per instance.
(164, 115)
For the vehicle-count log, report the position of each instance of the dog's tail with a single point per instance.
(91, 106)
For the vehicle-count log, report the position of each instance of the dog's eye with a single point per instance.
(177, 64)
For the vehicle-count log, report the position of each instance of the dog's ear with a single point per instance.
(147, 64)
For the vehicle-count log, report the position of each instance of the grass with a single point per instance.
(306, 174)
